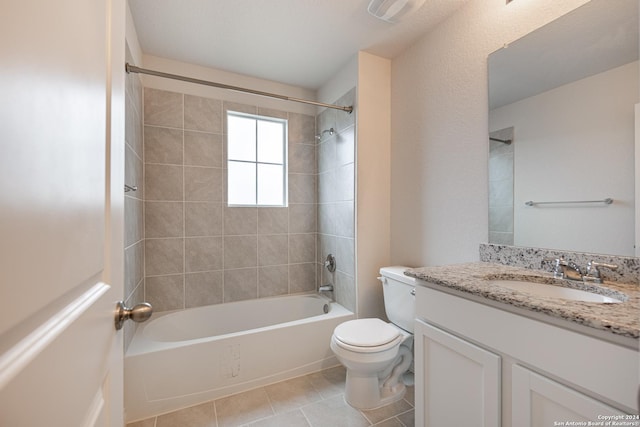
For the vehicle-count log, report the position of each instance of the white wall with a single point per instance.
(575, 142)
(439, 129)
(373, 192)
(225, 77)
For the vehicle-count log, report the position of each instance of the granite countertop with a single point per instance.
(622, 319)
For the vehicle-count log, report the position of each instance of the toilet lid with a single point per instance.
(366, 332)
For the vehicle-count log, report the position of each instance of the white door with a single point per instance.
(457, 383)
(61, 211)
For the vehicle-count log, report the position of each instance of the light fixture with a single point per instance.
(393, 10)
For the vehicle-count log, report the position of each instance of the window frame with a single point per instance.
(285, 161)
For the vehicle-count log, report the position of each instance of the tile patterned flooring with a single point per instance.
(314, 400)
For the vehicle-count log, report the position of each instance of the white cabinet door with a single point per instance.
(61, 210)
(457, 383)
(538, 401)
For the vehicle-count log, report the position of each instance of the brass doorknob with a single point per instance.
(139, 313)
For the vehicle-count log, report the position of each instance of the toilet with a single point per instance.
(377, 354)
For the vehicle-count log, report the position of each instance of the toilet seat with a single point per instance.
(367, 335)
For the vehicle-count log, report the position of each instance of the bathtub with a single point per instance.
(179, 359)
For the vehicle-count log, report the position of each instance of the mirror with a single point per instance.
(561, 123)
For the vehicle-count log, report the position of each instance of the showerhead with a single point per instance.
(330, 131)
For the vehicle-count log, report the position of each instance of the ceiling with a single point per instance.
(297, 42)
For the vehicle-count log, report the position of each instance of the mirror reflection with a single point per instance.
(561, 123)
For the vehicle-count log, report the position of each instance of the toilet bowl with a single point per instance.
(374, 366)
(375, 353)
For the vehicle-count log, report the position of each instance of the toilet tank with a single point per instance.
(399, 296)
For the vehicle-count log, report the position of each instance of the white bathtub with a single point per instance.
(183, 358)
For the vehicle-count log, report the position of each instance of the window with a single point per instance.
(256, 160)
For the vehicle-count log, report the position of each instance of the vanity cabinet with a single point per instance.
(463, 380)
(542, 401)
(480, 365)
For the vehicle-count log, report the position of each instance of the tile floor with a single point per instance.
(314, 400)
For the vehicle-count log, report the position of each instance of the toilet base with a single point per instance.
(367, 393)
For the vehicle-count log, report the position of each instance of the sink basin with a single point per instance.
(546, 290)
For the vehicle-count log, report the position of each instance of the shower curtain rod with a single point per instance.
(133, 69)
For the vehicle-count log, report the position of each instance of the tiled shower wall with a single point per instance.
(501, 188)
(199, 251)
(133, 200)
(336, 200)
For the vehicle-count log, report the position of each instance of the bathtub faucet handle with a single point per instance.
(139, 313)
(330, 263)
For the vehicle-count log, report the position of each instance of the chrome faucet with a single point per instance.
(563, 269)
(593, 271)
(326, 288)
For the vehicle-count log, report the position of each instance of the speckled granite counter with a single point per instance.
(472, 278)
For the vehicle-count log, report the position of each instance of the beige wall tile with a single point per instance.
(327, 218)
(326, 246)
(273, 220)
(345, 179)
(345, 255)
(202, 149)
(238, 107)
(302, 218)
(134, 230)
(163, 182)
(165, 292)
(240, 220)
(328, 186)
(302, 277)
(326, 120)
(162, 145)
(273, 249)
(327, 154)
(202, 184)
(302, 248)
(273, 280)
(269, 112)
(302, 158)
(302, 188)
(302, 129)
(132, 164)
(240, 251)
(163, 219)
(162, 108)
(344, 219)
(203, 288)
(204, 114)
(345, 147)
(203, 218)
(164, 256)
(184, 177)
(345, 290)
(132, 269)
(240, 284)
(203, 253)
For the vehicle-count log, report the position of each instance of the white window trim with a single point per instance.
(285, 160)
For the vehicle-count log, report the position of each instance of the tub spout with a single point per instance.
(326, 288)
